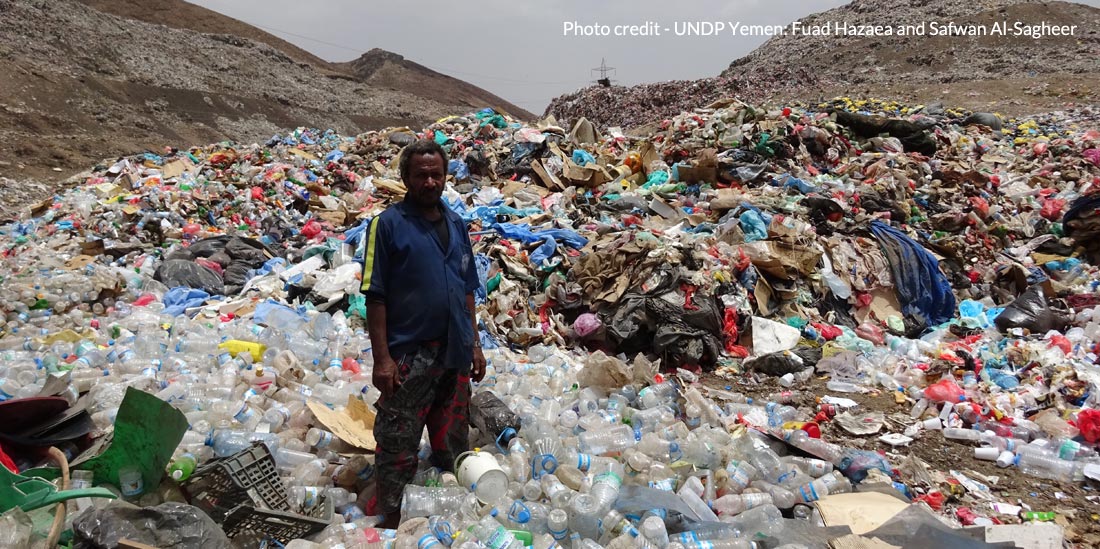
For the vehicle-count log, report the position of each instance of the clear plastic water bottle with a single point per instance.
(493, 535)
(422, 501)
(803, 441)
(1049, 467)
(654, 531)
(810, 466)
(968, 435)
(735, 504)
(607, 479)
(604, 441)
(657, 395)
(557, 523)
(584, 516)
(781, 497)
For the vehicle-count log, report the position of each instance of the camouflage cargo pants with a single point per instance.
(431, 396)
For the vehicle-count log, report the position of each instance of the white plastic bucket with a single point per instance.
(481, 473)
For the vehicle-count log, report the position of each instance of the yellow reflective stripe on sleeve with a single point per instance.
(368, 256)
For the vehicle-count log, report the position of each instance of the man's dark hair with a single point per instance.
(424, 146)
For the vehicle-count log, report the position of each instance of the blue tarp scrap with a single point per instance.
(923, 290)
(525, 234)
(179, 299)
(544, 252)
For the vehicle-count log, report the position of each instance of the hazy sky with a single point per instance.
(516, 48)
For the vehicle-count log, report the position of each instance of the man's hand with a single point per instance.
(477, 373)
(385, 377)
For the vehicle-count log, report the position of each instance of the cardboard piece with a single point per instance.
(549, 180)
(79, 262)
(727, 199)
(862, 512)
(176, 168)
(588, 176)
(703, 170)
(353, 425)
(304, 154)
(390, 186)
(782, 260)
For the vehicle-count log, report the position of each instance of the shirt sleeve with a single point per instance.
(376, 260)
(473, 281)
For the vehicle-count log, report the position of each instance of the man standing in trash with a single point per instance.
(419, 279)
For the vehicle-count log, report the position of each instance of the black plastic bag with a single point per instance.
(1031, 312)
(777, 364)
(182, 272)
(492, 418)
(167, 526)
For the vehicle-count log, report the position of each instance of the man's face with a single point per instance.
(426, 179)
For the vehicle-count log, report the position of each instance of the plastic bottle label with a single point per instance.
(245, 415)
(325, 440)
(808, 493)
(309, 497)
(667, 484)
(689, 538)
(610, 478)
(499, 539)
(785, 476)
(427, 541)
(584, 461)
(739, 477)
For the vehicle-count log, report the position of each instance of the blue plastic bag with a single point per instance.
(582, 157)
(459, 169)
(754, 227)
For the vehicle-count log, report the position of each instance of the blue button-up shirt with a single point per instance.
(423, 285)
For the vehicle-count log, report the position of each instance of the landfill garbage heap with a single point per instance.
(945, 259)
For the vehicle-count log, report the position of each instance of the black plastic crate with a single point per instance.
(244, 494)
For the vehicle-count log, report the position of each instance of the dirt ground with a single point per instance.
(1077, 505)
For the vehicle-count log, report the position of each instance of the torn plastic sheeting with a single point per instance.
(544, 252)
(770, 337)
(525, 234)
(353, 235)
(268, 311)
(923, 290)
(168, 525)
(788, 181)
(178, 300)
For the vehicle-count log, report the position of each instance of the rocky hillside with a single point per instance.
(90, 79)
(385, 69)
(1012, 74)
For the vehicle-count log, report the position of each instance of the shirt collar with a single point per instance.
(407, 211)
